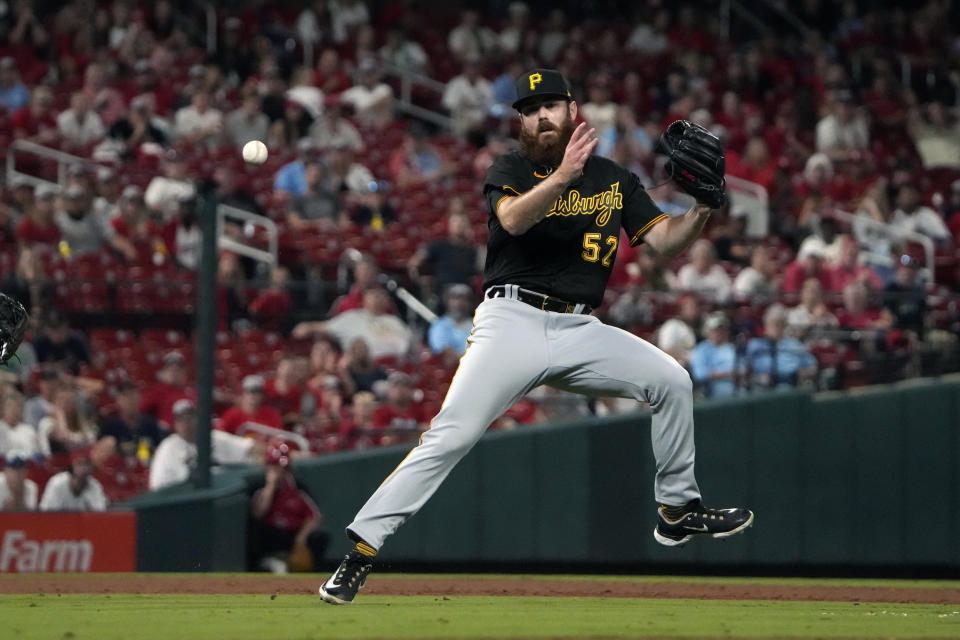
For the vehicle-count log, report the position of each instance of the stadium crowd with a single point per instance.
(850, 126)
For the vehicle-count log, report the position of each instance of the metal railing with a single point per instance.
(273, 432)
(64, 162)
(225, 212)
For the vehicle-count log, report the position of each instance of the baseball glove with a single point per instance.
(695, 161)
(13, 324)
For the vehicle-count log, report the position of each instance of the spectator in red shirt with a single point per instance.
(365, 272)
(849, 269)
(755, 165)
(401, 415)
(285, 520)
(171, 385)
(38, 227)
(250, 407)
(357, 431)
(36, 122)
(133, 223)
(808, 265)
(287, 391)
(329, 76)
(274, 303)
(856, 313)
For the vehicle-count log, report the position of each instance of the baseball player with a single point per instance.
(555, 215)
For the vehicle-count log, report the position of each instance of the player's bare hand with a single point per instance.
(582, 143)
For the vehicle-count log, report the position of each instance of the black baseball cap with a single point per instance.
(541, 83)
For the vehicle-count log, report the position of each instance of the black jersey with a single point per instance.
(570, 253)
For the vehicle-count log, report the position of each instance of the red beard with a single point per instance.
(547, 153)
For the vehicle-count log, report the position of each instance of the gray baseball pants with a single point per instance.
(515, 347)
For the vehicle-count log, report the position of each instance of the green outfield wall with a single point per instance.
(867, 478)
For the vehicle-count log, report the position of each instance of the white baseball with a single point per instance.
(255, 152)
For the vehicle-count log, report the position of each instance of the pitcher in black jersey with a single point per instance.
(555, 214)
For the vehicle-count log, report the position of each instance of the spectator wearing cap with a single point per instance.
(418, 161)
(198, 123)
(36, 122)
(824, 239)
(714, 365)
(905, 297)
(454, 259)
(158, 398)
(17, 491)
(400, 414)
(469, 39)
(702, 275)
(806, 320)
(80, 126)
(176, 457)
(86, 233)
(13, 94)
(332, 129)
(38, 226)
(776, 360)
(448, 334)
(678, 336)
(74, 489)
(936, 133)
(15, 433)
(912, 216)
(386, 335)
(848, 268)
(138, 129)
(759, 280)
(285, 519)
(843, 129)
(808, 264)
(128, 426)
(247, 122)
(67, 428)
(316, 208)
(106, 202)
(250, 407)
(59, 345)
(370, 97)
(165, 193)
(469, 98)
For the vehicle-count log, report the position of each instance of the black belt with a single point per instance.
(539, 300)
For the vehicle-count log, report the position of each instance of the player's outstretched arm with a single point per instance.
(671, 237)
(517, 215)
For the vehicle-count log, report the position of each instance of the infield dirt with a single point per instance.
(474, 586)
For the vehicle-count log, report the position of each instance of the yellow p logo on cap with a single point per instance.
(534, 81)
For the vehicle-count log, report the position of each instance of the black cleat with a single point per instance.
(699, 520)
(342, 586)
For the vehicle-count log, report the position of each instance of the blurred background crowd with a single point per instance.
(835, 265)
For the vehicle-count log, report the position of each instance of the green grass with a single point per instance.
(258, 617)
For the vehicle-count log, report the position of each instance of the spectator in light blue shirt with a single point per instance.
(776, 361)
(448, 334)
(292, 177)
(713, 364)
(13, 95)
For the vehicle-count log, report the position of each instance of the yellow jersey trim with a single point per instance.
(639, 234)
(540, 176)
(509, 188)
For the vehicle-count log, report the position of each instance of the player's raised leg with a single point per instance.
(506, 357)
(594, 358)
